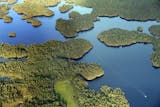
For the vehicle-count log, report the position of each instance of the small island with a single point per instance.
(119, 37)
(77, 23)
(65, 8)
(12, 34)
(155, 30)
(7, 19)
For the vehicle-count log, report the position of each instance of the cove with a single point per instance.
(128, 68)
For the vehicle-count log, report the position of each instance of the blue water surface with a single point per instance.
(128, 68)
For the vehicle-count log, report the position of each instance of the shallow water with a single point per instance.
(128, 68)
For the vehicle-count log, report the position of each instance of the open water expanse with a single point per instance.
(128, 68)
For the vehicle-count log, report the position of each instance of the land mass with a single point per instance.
(155, 30)
(35, 8)
(65, 8)
(77, 23)
(128, 9)
(48, 69)
(4, 10)
(117, 37)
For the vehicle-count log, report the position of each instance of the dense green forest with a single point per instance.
(32, 82)
(127, 9)
(48, 74)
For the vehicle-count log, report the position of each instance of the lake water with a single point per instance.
(128, 68)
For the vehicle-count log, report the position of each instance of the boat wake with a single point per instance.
(141, 92)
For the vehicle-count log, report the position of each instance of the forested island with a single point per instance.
(78, 22)
(118, 37)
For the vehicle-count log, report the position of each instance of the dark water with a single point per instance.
(128, 68)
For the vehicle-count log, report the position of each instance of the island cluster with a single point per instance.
(40, 74)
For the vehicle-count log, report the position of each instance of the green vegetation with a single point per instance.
(42, 79)
(34, 22)
(156, 55)
(106, 97)
(4, 9)
(35, 8)
(7, 19)
(8, 51)
(77, 95)
(32, 81)
(127, 9)
(65, 89)
(119, 37)
(155, 30)
(12, 34)
(65, 8)
(78, 22)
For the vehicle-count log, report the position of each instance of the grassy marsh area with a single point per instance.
(65, 89)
